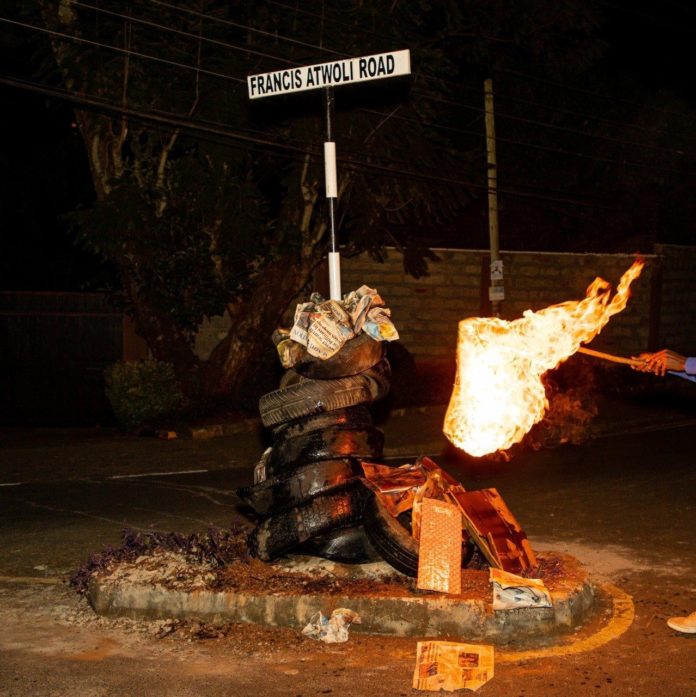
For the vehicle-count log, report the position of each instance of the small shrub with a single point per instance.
(141, 393)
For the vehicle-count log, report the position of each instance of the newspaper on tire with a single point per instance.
(324, 326)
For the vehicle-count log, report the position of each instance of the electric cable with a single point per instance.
(238, 25)
(457, 84)
(584, 115)
(118, 49)
(582, 90)
(568, 129)
(431, 124)
(279, 58)
(180, 32)
(184, 123)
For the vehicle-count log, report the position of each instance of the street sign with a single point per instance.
(334, 74)
(326, 76)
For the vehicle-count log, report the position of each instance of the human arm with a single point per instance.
(667, 361)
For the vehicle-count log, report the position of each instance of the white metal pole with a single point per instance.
(331, 182)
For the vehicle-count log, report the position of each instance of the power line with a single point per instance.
(239, 80)
(323, 49)
(238, 25)
(252, 52)
(180, 32)
(175, 121)
(560, 151)
(568, 129)
(486, 38)
(166, 118)
(118, 49)
(594, 117)
(551, 126)
(593, 93)
(596, 158)
(381, 114)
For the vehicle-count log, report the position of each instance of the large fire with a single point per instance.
(498, 394)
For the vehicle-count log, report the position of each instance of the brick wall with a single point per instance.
(427, 310)
(675, 292)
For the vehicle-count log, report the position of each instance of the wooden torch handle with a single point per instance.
(610, 357)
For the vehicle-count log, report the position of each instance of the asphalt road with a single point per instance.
(624, 505)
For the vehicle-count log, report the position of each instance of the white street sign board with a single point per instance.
(334, 74)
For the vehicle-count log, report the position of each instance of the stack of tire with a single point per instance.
(309, 497)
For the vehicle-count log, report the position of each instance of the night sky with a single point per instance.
(45, 173)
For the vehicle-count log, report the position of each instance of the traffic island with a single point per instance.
(167, 586)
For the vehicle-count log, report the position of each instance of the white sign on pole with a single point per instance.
(334, 74)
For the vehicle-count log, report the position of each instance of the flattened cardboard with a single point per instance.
(440, 547)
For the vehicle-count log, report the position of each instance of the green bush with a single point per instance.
(142, 393)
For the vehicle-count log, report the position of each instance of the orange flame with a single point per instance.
(498, 394)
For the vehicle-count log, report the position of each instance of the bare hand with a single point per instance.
(660, 362)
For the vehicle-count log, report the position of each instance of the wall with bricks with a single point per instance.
(676, 298)
(427, 310)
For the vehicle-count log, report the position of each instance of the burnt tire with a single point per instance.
(394, 541)
(325, 444)
(282, 532)
(353, 417)
(390, 538)
(347, 545)
(314, 397)
(290, 488)
(355, 356)
(379, 374)
(380, 379)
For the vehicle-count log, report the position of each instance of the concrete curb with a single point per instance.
(402, 615)
(222, 429)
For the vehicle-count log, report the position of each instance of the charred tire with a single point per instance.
(325, 444)
(354, 417)
(380, 379)
(348, 545)
(355, 356)
(314, 397)
(379, 374)
(295, 487)
(283, 531)
(394, 542)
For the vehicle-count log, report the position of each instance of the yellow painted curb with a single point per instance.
(623, 613)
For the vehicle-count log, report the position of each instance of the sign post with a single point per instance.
(496, 291)
(326, 76)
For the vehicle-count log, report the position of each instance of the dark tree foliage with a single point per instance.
(204, 224)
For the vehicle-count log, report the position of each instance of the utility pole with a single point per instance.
(496, 291)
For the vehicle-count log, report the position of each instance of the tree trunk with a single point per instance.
(236, 360)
